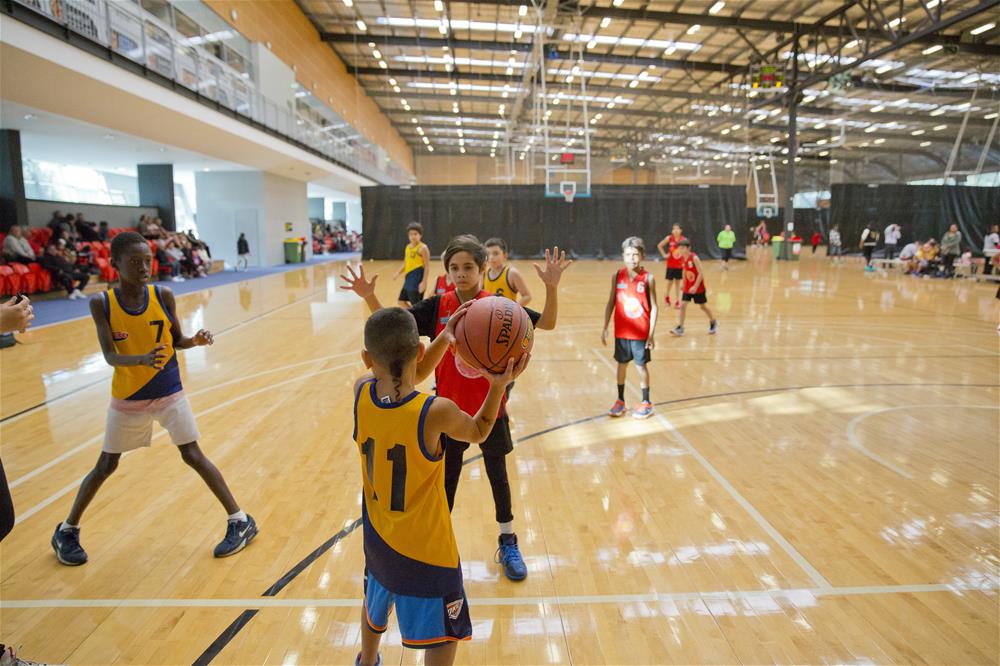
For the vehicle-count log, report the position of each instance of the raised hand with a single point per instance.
(555, 263)
(357, 282)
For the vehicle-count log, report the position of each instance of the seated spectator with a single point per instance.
(85, 230)
(102, 231)
(16, 247)
(167, 260)
(61, 263)
(908, 256)
(151, 229)
(928, 260)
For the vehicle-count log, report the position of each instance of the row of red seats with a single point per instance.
(21, 279)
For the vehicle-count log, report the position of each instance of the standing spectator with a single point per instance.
(951, 247)
(67, 229)
(102, 231)
(16, 247)
(869, 239)
(893, 233)
(835, 248)
(243, 250)
(55, 224)
(726, 239)
(816, 239)
(56, 260)
(991, 246)
(85, 230)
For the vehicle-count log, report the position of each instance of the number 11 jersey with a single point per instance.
(410, 545)
(138, 332)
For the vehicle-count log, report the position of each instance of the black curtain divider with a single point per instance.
(807, 220)
(530, 222)
(923, 211)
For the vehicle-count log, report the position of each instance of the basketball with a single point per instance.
(494, 330)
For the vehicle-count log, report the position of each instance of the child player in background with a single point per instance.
(633, 303)
(670, 250)
(694, 289)
(416, 265)
(502, 279)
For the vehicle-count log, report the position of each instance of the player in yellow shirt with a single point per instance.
(139, 333)
(411, 556)
(416, 264)
(502, 279)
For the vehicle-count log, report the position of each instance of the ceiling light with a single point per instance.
(395, 89)
(851, 44)
(605, 22)
(633, 83)
(883, 69)
(392, 82)
(808, 98)
(725, 130)
(821, 142)
(413, 120)
(510, 71)
(693, 29)
(426, 140)
(670, 50)
(924, 144)
(443, 27)
(206, 169)
(29, 116)
(361, 26)
(522, 10)
(937, 112)
(932, 49)
(438, 6)
(933, 3)
(617, 3)
(717, 7)
(591, 44)
(870, 129)
(377, 54)
(381, 63)
(916, 132)
(879, 141)
(896, 21)
(430, 149)
(983, 28)
(462, 150)
(348, 3)
(876, 109)
(938, 128)
(517, 34)
(824, 153)
(735, 127)
(990, 116)
(820, 125)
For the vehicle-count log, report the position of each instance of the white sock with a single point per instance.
(239, 516)
(67, 526)
(507, 528)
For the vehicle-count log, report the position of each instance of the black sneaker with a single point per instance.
(239, 533)
(66, 543)
(713, 326)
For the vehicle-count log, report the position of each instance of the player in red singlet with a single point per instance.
(670, 250)
(633, 303)
(694, 289)
(443, 285)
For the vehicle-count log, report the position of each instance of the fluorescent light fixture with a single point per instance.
(517, 34)
(456, 24)
(824, 153)
(808, 98)
(725, 130)
(632, 41)
(879, 141)
(361, 26)
(937, 112)
(876, 109)
(381, 63)
(430, 149)
(396, 89)
(377, 54)
(392, 82)
(717, 7)
(917, 132)
(820, 125)
(924, 144)
(851, 44)
(735, 127)
(592, 43)
(883, 69)
(669, 51)
(932, 49)
(693, 29)
(426, 140)
(634, 83)
(938, 128)
(605, 22)
(896, 21)
(618, 3)
(870, 129)
(990, 116)
(933, 3)
(438, 6)
(348, 3)
(983, 28)
(443, 27)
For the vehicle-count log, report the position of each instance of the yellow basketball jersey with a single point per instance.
(139, 332)
(409, 542)
(413, 260)
(499, 286)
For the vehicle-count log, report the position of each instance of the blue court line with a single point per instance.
(56, 310)
(230, 632)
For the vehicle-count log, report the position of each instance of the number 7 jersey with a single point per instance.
(409, 543)
(139, 332)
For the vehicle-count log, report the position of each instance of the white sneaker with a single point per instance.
(177, 278)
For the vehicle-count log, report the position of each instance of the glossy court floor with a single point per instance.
(819, 484)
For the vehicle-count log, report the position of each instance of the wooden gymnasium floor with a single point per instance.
(819, 484)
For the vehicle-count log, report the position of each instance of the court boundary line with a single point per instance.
(855, 441)
(814, 575)
(260, 603)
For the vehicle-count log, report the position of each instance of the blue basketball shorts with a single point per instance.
(424, 622)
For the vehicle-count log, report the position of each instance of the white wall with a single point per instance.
(285, 200)
(354, 216)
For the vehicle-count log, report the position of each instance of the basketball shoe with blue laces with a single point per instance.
(617, 409)
(239, 533)
(66, 543)
(509, 557)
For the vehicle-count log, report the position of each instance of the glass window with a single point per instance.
(158, 8)
(185, 25)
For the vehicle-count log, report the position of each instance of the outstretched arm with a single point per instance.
(520, 286)
(362, 287)
(555, 263)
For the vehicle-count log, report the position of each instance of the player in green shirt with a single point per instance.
(726, 239)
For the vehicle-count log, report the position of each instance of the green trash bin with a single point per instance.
(776, 242)
(293, 251)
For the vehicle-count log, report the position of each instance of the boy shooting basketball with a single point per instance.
(411, 556)
(694, 289)
(633, 303)
(416, 264)
(669, 249)
(139, 332)
(465, 260)
(502, 279)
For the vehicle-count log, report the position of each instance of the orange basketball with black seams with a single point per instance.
(494, 330)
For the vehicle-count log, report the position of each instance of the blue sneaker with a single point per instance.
(509, 557)
(239, 533)
(378, 659)
(643, 411)
(617, 409)
(66, 543)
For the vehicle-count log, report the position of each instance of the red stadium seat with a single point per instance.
(29, 283)
(10, 283)
(43, 278)
(108, 273)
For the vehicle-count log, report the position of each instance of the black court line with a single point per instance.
(105, 379)
(230, 632)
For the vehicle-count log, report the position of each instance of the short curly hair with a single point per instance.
(123, 241)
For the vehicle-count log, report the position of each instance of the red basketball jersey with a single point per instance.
(442, 286)
(632, 305)
(455, 379)
(674, 252)
(691, 275)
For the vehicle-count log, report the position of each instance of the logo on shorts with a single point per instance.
(119, 336)
(455, 608)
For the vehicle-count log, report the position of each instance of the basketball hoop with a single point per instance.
(568, 189)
